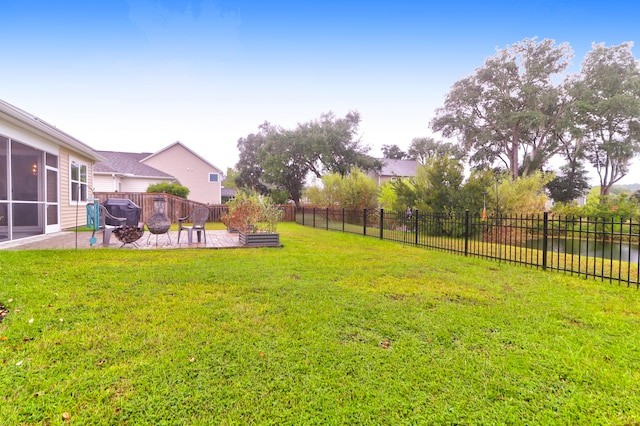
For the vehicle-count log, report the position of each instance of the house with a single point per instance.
(125, 172)
(394, 169)
(134, 172)
(228, 194)
(46, 176)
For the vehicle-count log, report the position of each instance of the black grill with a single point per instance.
(122, 207)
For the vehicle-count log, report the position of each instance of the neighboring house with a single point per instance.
(228, 194)
(125, 172)
(46, 176)
(131, 172)
(394, 169)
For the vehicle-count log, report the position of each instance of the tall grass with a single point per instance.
(331, 329)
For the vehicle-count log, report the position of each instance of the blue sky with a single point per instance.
(138, 75)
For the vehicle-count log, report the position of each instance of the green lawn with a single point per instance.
(331, 329)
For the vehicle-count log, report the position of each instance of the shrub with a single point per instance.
(169, 188)
(252, 213)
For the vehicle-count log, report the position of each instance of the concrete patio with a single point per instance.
(216, 239)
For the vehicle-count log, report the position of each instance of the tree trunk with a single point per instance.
(513, 161)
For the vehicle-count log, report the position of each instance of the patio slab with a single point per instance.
(80, 240)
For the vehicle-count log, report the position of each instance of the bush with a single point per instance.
(252, 213)
(356, 191)
(169, 188)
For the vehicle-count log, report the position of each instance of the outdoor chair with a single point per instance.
(197, 218)
(108, 228)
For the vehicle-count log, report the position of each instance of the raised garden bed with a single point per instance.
(260, 239)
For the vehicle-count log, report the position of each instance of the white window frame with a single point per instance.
(80, 165)
(217, 175)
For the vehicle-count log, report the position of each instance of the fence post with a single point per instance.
(381, 224)
(416, 214)
(545, 239)
(466, 232)
(314, 217)
(327, 212)
(303, 216)
(364, 222)
(343, 219)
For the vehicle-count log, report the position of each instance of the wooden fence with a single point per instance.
(176, 207)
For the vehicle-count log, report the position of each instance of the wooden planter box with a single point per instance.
(260, 239)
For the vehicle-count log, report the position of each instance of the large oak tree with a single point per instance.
(608, 111)
(509, 110)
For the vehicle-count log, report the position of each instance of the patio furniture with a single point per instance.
(197, 218)
(108, 222)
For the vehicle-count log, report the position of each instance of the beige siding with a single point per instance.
(109, 183)
(68, 211)
(191, 171)
(29, 130)
(104, 183)
(138, 184)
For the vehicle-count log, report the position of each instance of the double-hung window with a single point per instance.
(79, 181)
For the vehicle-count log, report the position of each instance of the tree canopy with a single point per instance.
(249, 168)
(509, 111)
(279, 158)
(608, 110)
(569, 183)
(393, 152)
(425, 149)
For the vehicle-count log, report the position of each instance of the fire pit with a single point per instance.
(128, 234)
(158, 223)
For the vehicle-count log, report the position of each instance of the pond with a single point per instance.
(605, 250)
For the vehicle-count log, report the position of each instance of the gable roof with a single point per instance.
(32, 123)
(403, 168)
(127, 163)
(166, 148)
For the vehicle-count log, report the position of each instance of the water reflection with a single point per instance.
(615, 251)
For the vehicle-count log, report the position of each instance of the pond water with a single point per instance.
(615, 251)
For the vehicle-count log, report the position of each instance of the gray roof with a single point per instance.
(128, 163)
(402, 168)
(228, 192)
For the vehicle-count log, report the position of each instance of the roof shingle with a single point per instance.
(127, 163)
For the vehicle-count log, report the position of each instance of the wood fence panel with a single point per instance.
(176, 207)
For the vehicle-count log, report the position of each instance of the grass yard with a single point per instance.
(331, 329)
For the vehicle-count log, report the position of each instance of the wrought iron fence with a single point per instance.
(607, 249)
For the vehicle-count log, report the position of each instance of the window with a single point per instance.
(213, 177)
(78, 181)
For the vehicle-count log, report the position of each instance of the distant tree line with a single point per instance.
(509, 118)
(517, 112)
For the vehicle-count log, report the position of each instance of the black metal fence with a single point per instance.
(607, 249)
